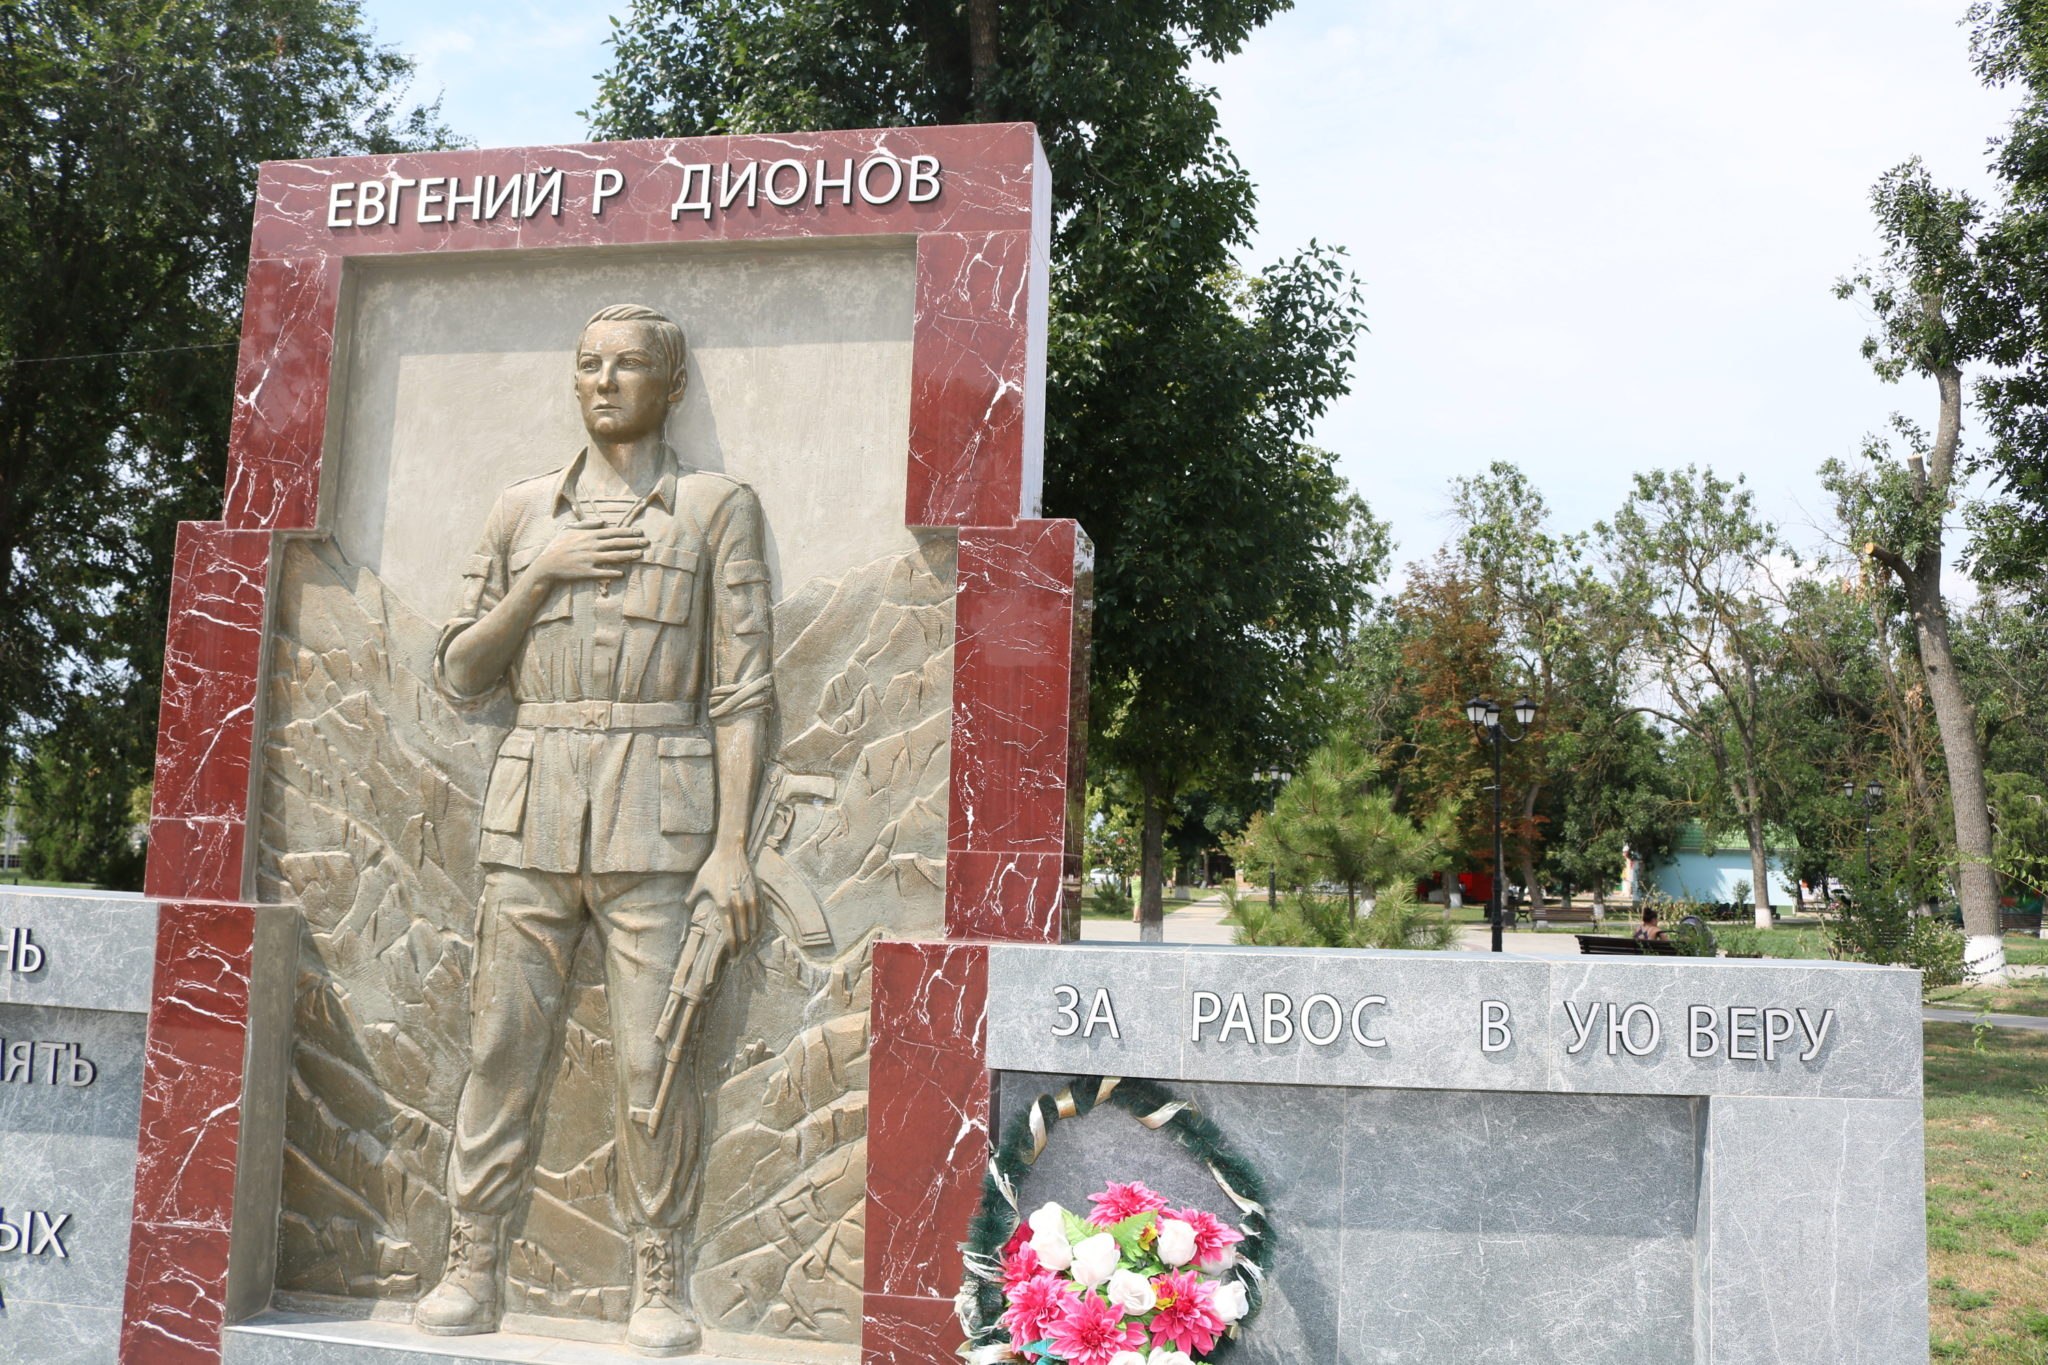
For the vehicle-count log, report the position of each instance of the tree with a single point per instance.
(1690, 561)
(1110, 839)
(1180, 391)
(1531, 582)
(1333, 826)
(1925, 306)
(129, 138)
(1450, 650)
(2002, 299)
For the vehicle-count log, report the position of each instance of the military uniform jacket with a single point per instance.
(621, 683)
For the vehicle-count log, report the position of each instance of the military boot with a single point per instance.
(662, 1323)
(469, 1299)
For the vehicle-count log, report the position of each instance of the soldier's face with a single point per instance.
(621, 383)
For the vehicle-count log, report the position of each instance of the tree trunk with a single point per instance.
(1759, 865)
(1956, 718)
(981, 50)
(1529, 849)
(1151, 860)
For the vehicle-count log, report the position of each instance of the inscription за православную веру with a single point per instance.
(1736, 1033)
(785, 183)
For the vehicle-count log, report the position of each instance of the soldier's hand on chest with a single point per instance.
(589, 549)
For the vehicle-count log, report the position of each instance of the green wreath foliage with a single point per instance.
(995, 1221)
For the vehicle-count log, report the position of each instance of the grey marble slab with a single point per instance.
(1817, 1232)
(69, 1152)
(1456, 1021)
(109, 1107)
(93, 1180)
(37, 1333)
(99, 950)
(1417, 1225)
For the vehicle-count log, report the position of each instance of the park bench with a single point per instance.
(1564, 914)
(2019, 921)
(1613, 945)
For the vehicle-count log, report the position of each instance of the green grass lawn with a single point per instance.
(2025, 950)
(2021, 997)
(1987, 1194)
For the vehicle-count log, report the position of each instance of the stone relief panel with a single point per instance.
(454, 381)
(372, 796)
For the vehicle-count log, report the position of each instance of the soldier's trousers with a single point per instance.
(532, 924)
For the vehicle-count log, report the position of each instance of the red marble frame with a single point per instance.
(974, 453)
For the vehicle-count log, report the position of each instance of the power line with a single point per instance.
(110, 355)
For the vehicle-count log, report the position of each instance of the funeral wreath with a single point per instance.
(1134, 1281)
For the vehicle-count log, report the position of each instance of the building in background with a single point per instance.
(1704, 866)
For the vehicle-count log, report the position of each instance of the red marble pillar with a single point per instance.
(1019, 729)
(190, 1135)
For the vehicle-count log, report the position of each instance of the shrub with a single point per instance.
(1305, 919)
(1113, 900)
(1883, 927)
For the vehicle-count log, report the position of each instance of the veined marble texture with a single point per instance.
(1426, 1226)
(99, 951)
(1650, 1163)
(370, 802)
(67, 1152)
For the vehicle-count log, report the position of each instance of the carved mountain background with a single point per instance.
(371, 790)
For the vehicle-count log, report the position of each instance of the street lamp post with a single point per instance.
(1279, 778)
(1485, 717)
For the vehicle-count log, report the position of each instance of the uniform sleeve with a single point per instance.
(742, 645)
(484, 584)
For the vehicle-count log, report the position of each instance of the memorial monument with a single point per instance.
(614, 870)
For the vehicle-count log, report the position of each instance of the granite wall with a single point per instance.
(75, 976)
(1522, 1161)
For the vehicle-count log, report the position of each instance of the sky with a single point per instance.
(1595, 236)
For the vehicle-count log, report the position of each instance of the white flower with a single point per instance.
(1049, 1218)
(1231, 1301)
(1094, 1258)
(1176, 1242)
(1171, 1358)
(1049, 1238)
(1223, 1260)
(1127, 1358)
(1131, 1292)
(1054, 1251)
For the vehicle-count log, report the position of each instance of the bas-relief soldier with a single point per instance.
(624, 602)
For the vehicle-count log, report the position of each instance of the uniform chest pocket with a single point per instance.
(505, 798)
(689, 785)
(558, 603)
(661, 586)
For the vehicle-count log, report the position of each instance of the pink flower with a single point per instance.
(1020, 1263)
(1089, 1331)
(1213, 1239)
(1187, 1315)
(1035, 1304)
(1119, 1202)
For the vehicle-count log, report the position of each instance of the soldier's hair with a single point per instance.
(669, 346)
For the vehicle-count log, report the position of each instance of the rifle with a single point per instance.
(789, 903)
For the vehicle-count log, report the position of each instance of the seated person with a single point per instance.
(1649, 929)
